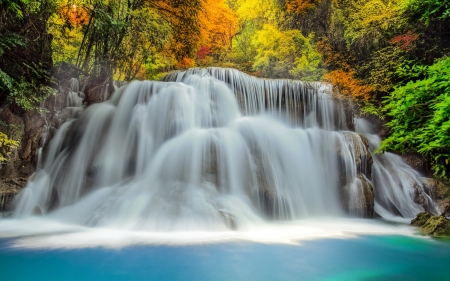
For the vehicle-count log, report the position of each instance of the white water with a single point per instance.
(200, 155)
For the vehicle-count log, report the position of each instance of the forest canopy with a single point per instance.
(388, 56)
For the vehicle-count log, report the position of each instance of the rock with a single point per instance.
(445, 209)
(5, 215)
(417, 161)
(33, 130)
(421, 198)
(34, 127)
(421, 219)
(229, 220)
(437, 226)
(15, 124)
(358, 197)
(358, 145)
(37, 211)
(430, 187)
(378, 125)
(14, 181)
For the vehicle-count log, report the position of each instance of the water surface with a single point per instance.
(362, 258)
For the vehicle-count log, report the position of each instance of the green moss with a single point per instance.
(421, 219)
(437, 226)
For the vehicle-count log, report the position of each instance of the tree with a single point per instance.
(25, 53)
(128, 35)
(287, 54)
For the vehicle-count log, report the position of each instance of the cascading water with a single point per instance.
(211, 149)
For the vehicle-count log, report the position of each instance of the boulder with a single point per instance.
(358, 145)
(358, 198)
(417, 161)
(437, 226)
(421, 219)
(430, 187)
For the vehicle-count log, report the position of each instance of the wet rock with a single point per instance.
(229, 220)
(417, 161)
(358, 145)
(430, 187)
(358, 197)
(270, 202)
(37, 211)
(7, 194)
(425, 192)
(13, 174)
(34, 127)
(437, 226)
(14, 124)
(421, 198)
(210, 163)
(5, 215)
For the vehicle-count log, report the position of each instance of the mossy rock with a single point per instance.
(437, 226)
(421, 219)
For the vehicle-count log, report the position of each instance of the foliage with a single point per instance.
(420, 112)
(218, 25)
(300, 6)
(370, 109)
(14, 6)
(6, 145)
(366, 22)
(430, 10)
(382, 67)
(26, 94)
(286, 54)
(308, 65)
(24, 54)
(11, 41)
(349, 86)
(406, 40)
(203, 52)
(259, 11)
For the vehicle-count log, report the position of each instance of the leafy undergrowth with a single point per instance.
(420, 112)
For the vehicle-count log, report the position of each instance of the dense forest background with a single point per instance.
(388, 56)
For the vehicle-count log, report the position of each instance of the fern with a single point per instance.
(420, 112)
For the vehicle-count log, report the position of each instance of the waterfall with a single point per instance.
(216, 149)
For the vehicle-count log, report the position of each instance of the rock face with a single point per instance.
(14, 173)
(437, 226)
(418, 162)
(423, 191)
(358, 198)
(33, 130)
(357, 193)
(430, 187)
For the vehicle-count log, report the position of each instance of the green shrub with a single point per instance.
(420, 112)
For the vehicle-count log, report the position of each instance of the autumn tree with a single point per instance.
(126, 37)
(218, 26)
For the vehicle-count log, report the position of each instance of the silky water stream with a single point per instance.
(213, 174)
